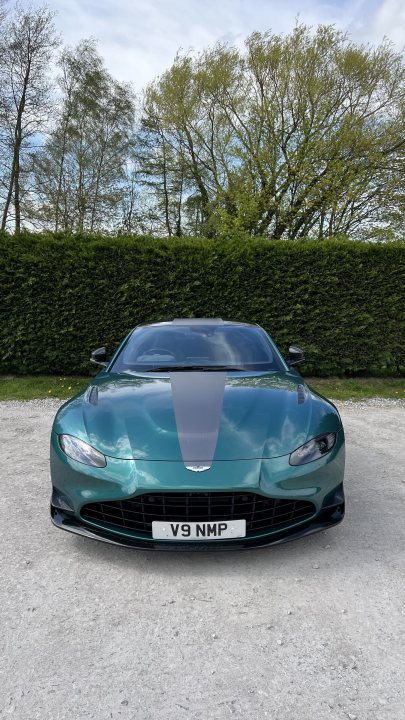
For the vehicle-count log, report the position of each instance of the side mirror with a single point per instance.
(99, 357)
(295, 355)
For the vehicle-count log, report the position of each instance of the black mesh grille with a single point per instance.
(139, 512)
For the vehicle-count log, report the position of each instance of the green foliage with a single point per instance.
(61, 297)
(80, 173)
(293, 136)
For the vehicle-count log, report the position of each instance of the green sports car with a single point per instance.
(197, 434)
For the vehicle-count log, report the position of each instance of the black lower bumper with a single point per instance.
(330, 515)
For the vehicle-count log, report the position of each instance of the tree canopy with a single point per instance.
(289, 136)
(296, 135)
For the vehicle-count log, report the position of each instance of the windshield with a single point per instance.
(200, 347)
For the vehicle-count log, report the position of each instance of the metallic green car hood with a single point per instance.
(133, 416)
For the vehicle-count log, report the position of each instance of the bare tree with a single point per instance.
(25, 97)
(3, 11)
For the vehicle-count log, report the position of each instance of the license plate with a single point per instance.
(219, 530)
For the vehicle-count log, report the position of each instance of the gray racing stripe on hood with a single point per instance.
(197, 403)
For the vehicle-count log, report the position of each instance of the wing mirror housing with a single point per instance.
(295, 355)
(99, 357)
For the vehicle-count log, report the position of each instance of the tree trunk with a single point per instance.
(60, 176)
(165, 192)
(9, 196)
(15, 168)
(17, 206)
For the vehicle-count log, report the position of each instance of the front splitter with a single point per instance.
(328, 517)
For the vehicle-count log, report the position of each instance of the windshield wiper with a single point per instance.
(191, 368)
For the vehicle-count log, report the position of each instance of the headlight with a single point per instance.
(81, 451)
(313, 449)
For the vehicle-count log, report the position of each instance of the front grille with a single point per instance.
(138, 513)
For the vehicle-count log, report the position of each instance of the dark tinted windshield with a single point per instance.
(216, 346)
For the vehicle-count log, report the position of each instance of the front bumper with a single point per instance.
(328, 517)
(75, 485)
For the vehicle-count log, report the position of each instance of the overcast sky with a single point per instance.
(139, 38)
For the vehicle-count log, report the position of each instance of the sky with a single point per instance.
(139, 38)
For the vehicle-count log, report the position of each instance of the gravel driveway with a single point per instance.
(310, 630)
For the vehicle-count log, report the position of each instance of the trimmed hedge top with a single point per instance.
(342, 301)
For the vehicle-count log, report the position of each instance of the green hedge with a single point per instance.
(342, 301)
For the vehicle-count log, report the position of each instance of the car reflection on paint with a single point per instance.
(197, 434)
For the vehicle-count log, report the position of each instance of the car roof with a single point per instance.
(197, 321)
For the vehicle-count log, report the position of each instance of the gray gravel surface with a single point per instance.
(310, 630)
